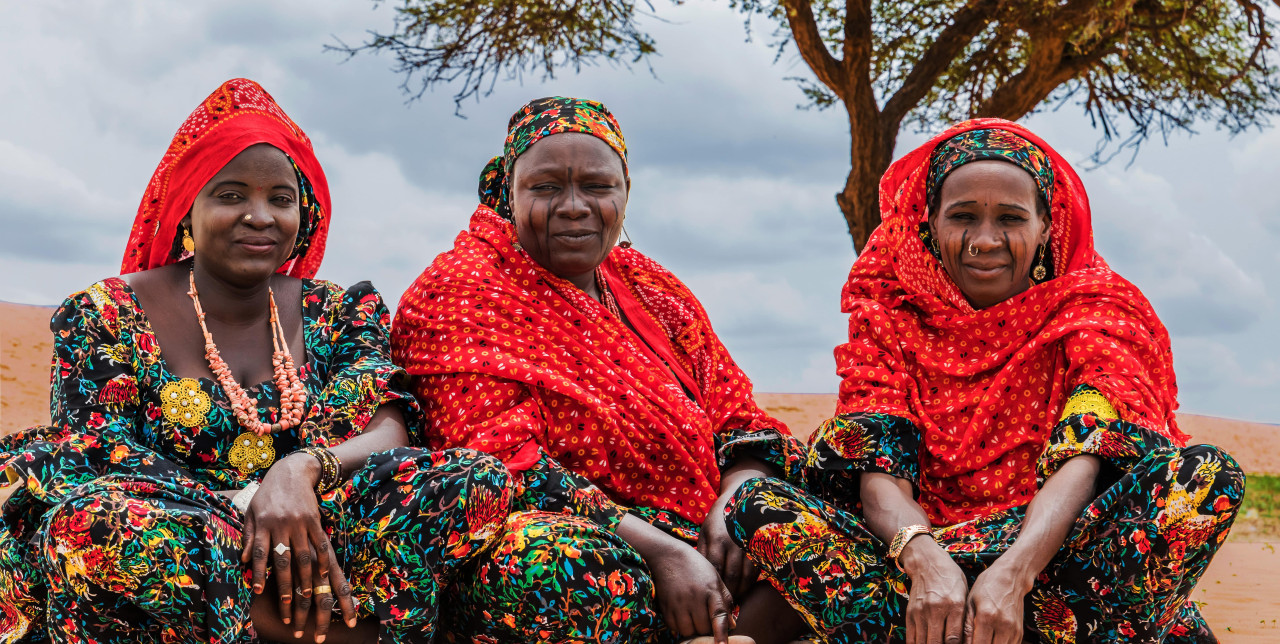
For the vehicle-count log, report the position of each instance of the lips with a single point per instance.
(258, 244)
(985, 270)
(576, 237)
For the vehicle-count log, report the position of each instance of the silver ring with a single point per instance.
(281, 548)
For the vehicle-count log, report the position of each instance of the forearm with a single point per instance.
(887, 507)
(386, 430)
(652, 544)
(1050, 516)
(744, 469)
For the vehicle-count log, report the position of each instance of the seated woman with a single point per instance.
(1005, 462)
(596, 376)
(171, 499)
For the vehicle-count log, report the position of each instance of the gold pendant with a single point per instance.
(184, 403)
(252, 452)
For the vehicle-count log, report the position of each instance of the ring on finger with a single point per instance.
(281, 548)
(322, 589)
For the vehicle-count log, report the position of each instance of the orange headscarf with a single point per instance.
(985, 387)
(237, 115)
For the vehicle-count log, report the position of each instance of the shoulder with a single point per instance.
(107, 302)
(332, 300)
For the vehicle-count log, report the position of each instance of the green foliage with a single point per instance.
(1262, 493)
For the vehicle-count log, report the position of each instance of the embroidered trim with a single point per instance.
(1087, 400)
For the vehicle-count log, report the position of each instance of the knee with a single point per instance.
(84, 538)
(1211, 469)
(757, 503)
(468, 489)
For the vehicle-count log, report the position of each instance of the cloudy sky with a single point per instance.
(732, 186)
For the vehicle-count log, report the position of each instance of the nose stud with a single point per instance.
(973, 250)
(248, 217)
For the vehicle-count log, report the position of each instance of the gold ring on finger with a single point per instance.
(322, 589)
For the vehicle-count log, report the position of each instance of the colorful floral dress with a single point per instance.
(1124, 573)
(115, 534)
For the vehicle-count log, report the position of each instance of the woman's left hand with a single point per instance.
(994, 607)
(736, 570)
(285, 511)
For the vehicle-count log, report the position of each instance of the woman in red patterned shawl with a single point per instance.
(596, 376)
(1005, 462)
(216, 492)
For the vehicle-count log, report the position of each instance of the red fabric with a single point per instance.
(504, 352)
(985, 388)
(235, 116)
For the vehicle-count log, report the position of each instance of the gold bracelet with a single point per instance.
(330, 468)
(901, 539)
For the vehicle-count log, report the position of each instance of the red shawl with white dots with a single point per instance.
(986, 387)
(506, 355)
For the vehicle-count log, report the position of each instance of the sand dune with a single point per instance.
(1239, 592)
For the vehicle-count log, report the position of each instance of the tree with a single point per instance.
(1137, 67)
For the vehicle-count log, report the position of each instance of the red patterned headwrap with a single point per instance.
(986, 387)
(237, 115)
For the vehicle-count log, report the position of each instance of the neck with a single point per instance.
(587, 284)
(232, 303)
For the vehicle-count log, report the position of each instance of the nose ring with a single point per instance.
(973, 250)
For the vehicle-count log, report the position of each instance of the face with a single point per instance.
(568, 198)
(244, 221)
(993, 206)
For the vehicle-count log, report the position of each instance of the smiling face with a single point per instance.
(995, 207)
(245, 250)
(568, 198)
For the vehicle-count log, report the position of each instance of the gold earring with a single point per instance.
(1040, 272)
(188, 244)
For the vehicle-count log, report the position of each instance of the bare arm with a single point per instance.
(935, 608)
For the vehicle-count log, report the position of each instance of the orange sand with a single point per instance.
(1240, 594)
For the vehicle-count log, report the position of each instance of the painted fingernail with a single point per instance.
(320, 639)
(286, 619)
(297, 635)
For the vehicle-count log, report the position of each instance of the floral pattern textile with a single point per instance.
(1124, 573)
(984, 388)
(115, 534)
(994, 143)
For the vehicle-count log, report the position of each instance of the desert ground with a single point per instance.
(1240, 594)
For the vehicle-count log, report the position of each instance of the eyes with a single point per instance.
(546, 187)
(282, 200)
(1011, 218)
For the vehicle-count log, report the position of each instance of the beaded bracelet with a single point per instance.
(330, 468)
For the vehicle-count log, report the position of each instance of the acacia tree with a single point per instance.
(1137, 67)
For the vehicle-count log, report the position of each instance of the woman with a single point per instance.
(1005, 462)
(171, 500)
(594, 374)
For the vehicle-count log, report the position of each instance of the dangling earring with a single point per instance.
(1040, 272)
(188, 244)
(627, 242)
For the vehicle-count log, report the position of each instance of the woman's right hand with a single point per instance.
(935, 608)
(693, 599)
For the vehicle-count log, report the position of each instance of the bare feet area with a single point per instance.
(1239, 594)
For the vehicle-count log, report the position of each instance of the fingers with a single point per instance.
(325, 601)
(284, 574)
(719, 606)
(732, 572)
(303, 573)
(954, 630)
(259, 555)
(246, 541)
(342, 591)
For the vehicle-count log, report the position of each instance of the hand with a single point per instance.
(730, 562)
(693, 599)
(284, 511)
(995, 605)
(935, 608)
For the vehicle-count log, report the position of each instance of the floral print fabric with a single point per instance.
(115, 533)
(1124, 573)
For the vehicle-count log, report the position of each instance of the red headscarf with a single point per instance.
(602, 403)
(986, 387)
(237, 115)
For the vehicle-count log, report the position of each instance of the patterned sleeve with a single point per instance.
(94, 382)
(361, 377)
(501, 417)
(848, 444)
(1091, 425)
(94, 405)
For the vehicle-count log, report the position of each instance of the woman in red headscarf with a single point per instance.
(595, 375)
(1005, 462)
(172, 499)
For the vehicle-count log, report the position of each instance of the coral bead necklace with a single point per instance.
(253, 449)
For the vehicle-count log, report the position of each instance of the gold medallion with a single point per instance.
(252, 452)
(184, 403)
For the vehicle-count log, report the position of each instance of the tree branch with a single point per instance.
(950, 43)
(804, 29)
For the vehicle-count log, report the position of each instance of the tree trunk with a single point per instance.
(871, 152)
